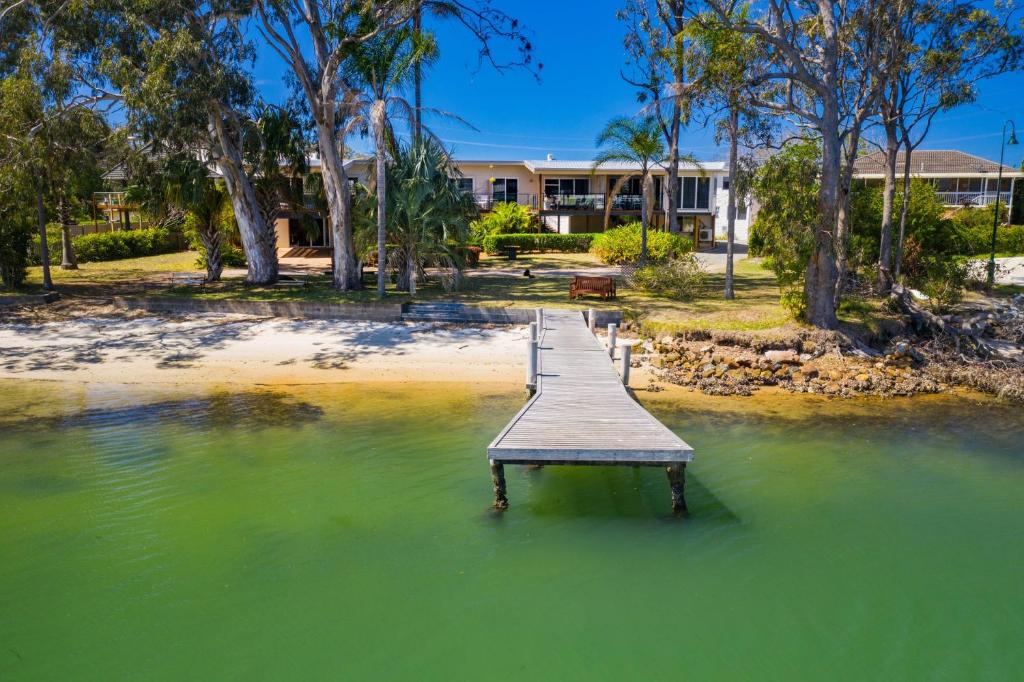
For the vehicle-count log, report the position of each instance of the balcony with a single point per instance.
(568, 203)
(485, 201)
(972, 198)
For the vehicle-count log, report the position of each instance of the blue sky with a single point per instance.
(580, 45)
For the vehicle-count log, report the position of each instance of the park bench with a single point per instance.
(187, 279)
(598, 286)
(299, 280)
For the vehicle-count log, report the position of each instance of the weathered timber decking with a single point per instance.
(582, 414)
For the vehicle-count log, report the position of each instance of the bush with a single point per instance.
(681, 278)
(505, 218)
(944, 282)
(622, 245)
(566, 243)
(102, 246)
(15, 237)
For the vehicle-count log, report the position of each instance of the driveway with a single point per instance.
(714, 259)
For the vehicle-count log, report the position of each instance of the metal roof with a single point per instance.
(932, 162)
(573, 165)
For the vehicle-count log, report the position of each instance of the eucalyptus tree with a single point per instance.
(939, 51)
(822, 69)
(383, 68)
(729, 61)
(428, 215)
(183, 69)
(661, 61)
(639, 141)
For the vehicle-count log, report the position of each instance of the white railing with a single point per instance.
(972, 198)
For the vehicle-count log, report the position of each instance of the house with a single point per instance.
(571, 196)
(960, 179)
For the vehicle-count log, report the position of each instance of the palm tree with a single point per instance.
(428, 215)
(639, 141)
(384, 68)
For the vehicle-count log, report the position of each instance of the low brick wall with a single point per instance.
(294, 309)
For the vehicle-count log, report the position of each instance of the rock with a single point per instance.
(787, 356)
(863, 378)
(809, 371)
(707, 371)
(658, 361)
(706, 349)
(672, 358)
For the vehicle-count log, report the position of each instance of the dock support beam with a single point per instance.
(676, 480)
(498, 481)
(612, 334)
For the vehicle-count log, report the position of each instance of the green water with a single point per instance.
(343, 533)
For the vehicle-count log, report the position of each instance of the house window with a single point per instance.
(725, 183)
(695, 193)
(634, 186)
(566, 186)
(505, 189)
(465, 185)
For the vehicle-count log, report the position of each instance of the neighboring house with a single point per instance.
(960, 179)
(570, 196)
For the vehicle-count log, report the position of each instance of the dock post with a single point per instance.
(531, 365)
(533, 331)
(613, 330)
(592, 321)
(676, 480)
(540, 319)
(627, 352)
(498, 481)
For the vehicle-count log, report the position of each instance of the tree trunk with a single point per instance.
(904, 208)
(339, 211)
(822, 273)
(671, 214)
(212, 238)
(417, 123)
(884, 280)
(644, 217)
(842, 231)
(44, 248)
(730, 210)
(259, 239)
(378, 115)
(67, 251)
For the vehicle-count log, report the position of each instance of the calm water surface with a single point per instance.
(344, 533)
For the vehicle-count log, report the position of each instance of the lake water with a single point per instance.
(344, 533)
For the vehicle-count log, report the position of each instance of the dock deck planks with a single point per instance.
(581, 413)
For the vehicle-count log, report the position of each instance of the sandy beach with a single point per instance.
(232, 349)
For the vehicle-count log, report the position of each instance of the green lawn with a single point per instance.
(756, 305)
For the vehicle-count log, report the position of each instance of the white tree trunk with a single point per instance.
(378, 116)
(730, 210)
(822, 273)
(346, 274)
(259, 240)
(644, 216)
(884, 278)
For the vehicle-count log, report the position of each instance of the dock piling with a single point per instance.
(531, 364)
(498, 481)
(613, 330)
(676, 481)
(592, 321)
(627, 352)
(540, 319)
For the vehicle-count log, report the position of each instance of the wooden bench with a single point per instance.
(187, 279)
(598, 286)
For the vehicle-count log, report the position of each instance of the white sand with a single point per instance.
(234, 349)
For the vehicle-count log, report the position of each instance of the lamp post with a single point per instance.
(999, 190)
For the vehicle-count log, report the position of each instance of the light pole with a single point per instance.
(999, 190)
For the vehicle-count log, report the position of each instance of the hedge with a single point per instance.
(566, 243)
(103, 246)
(622, 245)
(978, 240)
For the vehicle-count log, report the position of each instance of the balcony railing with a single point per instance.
(972, 198)
(487, 200)
(109, 199)
(594, 202)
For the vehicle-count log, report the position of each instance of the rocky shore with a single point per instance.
(824, 363)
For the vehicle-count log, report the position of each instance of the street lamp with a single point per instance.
(999, 190)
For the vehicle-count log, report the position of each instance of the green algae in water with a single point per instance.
(169, 537)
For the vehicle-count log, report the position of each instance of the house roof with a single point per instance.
(932, 162)
(556, 165)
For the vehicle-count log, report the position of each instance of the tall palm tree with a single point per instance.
(639, 141)
(428, 215)
(384, 67)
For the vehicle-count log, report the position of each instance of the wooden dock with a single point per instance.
(581, 413)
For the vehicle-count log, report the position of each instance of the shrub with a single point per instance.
(622, 245)
(680, 278)
(101, 246)
(977, 238)
(566, 243)
(505, 218)
(15, 237)
(944, 281)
